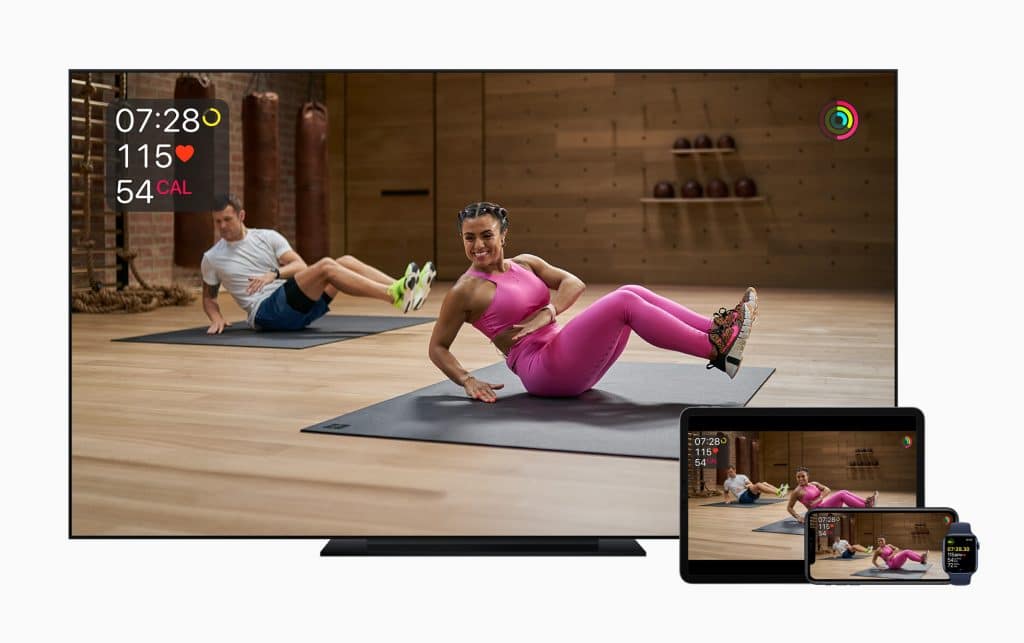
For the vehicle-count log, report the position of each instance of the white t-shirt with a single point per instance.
(737, 485)
(231, 263)
(840, 546)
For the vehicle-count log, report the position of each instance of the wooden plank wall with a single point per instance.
(460, 168)
(828, 454)
(571, 154)
(334, 87)
(389, 146)
(899, 529)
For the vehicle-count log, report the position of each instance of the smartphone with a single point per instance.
(879, 545)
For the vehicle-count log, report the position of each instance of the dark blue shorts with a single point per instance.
(288, 308)
(848, 553)
(748, 497)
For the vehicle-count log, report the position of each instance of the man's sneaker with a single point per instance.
(729, 341)
(426, 277)
(401, 290)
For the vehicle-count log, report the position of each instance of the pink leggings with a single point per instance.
(841, 498)
(572, 360)
(896, 560)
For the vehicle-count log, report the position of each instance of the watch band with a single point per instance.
(960, 529)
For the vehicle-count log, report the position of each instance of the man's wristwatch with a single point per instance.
(960, 553)
(277, 273)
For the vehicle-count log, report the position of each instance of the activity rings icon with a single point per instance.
(838, 120)
(216, 112)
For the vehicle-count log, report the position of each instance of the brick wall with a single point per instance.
(152, 234)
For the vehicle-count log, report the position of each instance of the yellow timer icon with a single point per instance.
(214, 120)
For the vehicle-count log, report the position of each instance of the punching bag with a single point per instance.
(261, 154)
(311, 233)
(193, 231)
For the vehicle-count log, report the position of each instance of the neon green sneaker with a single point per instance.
(426, 277)
(401, 290)
(783, 490)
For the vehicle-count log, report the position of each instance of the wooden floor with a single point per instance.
(174, 440)
(725, 533)
(831, 569)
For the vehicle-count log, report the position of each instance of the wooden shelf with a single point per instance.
(863, 466)
(730, 199)
(705, 150)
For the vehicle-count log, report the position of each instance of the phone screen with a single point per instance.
(877, 545)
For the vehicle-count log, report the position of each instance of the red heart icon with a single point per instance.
(714, 450)
(184, 152)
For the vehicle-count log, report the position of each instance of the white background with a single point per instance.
(959, 246)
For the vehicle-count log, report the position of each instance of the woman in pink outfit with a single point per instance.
(510, 300)
(815, 495)
(893, 556)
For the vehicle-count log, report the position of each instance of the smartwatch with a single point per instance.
(960, 553)
(277, 273)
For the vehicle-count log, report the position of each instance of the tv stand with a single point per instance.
(484, 546)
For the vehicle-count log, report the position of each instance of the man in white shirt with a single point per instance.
(276, 288)
(744, 491)
(843, 549)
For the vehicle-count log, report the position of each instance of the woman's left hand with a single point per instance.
(531, 324)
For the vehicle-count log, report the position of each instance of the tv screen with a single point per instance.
(336, 303)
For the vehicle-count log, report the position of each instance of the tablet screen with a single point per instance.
(750, 475)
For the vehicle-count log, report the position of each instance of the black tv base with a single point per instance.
(442, 546)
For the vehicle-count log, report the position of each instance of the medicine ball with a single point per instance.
(745, 188)
(717, 189)
(692, 190)
(664, 190)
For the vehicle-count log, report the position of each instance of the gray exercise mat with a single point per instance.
(784, 526)
(326, 330)
(748, 505)
(633, 411)
(909, 571)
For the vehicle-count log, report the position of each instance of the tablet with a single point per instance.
(750, 474)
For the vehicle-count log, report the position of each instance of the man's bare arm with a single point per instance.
(291, 264)
(212, 309)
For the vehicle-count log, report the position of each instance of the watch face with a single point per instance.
(961, 554)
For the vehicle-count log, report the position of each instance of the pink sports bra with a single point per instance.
(810, 494)
(885, 553)
(518, 294)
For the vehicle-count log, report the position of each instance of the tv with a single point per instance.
(629, 195)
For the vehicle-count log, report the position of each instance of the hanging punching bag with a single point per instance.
(312, 237)
(261, 153)
(193, 231)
